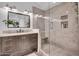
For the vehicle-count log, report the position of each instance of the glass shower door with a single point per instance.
(64, 29)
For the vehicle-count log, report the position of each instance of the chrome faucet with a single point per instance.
(20, 30)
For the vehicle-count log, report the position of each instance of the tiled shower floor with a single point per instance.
(54, 50)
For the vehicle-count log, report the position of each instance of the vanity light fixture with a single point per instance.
(14, 9)
(6, 7)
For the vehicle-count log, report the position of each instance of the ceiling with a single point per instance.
(28, 5)
(46, 5)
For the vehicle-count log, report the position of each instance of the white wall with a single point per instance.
(4, 16)
(19, 5)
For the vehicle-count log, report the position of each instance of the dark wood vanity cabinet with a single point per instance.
(18, 45)
(8, 45)
(27, 44)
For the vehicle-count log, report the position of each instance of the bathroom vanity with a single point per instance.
(19, 44)
(14, 40)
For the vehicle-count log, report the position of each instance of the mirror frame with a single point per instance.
(18, 14)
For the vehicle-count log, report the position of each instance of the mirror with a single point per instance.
(18, 20)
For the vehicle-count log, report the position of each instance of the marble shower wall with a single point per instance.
(39, 22)
(65, 37)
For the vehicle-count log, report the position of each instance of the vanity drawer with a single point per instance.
(11, 45)
(8, 49)
(8, 45)
(8, 41)
(28, 42)
(34, 40)
(31, 38)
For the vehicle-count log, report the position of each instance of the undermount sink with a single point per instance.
(17, 31)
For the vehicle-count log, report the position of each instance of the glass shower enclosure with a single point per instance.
(58, 26)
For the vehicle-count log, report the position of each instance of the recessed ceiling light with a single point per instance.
(6, 7)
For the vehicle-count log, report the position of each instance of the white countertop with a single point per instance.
(17, 34)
